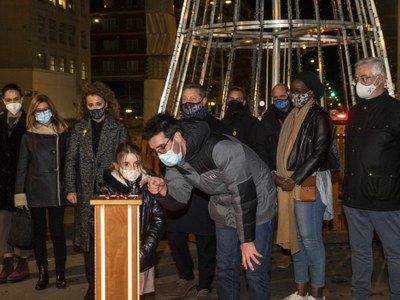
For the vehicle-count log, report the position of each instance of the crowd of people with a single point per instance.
(239, 185)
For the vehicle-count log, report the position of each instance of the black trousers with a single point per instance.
(206, 252)
(57, 235)
(89, 269)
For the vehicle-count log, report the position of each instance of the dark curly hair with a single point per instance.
(102, 90)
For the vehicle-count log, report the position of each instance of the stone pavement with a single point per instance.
(338, 274)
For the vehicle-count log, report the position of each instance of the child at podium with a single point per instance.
(123, 178)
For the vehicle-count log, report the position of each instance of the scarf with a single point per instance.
(286, 232)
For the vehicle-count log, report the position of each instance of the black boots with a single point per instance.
(61, 282)
(43, 278)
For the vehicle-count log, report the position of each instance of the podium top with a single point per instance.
(117, 200)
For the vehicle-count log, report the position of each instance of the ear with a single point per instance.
(204, 101)
(178, 137)
(115, 165)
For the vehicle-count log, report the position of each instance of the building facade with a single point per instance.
(46, 49)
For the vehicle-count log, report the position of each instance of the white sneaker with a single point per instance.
(296, 296)
(312, 298)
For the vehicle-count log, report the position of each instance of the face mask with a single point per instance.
(194, 110)
(170, 158)
(130, 175)
(281, 103)
(44, 117)
(96, 114)
(299, 100)
(14, 107)
(364, 91)
(234, 106)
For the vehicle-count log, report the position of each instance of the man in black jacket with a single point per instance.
(194, 218)
(271, 123)
(371, 186)
(241, 123)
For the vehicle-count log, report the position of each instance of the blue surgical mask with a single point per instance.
(44, 116)
(170, 158)
(281, 103)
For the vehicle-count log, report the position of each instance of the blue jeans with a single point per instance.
(311, 257)
(362, 224)
(229, 261)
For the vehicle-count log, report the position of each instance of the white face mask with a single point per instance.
(130, 175)
(170, 158)
(365, 91)
(14, 108)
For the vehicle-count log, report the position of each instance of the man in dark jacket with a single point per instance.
(271, 123)
(194, 218)
(242, 202)
(241, 123)
(371, 186)
(12, 128)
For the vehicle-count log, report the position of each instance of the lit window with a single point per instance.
(83, 74)
(52, 63)
(72, 66)
(61, 64)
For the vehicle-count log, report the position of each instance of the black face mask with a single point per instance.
(96, 114)
(234, 106)
(194, 110)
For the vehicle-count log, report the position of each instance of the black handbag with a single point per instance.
(21, 233)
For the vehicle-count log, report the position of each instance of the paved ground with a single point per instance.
(338, 274)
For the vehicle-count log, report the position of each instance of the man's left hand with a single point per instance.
(288, 185)
(249, 255)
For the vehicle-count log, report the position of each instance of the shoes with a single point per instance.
(296, 296)
(284, 262)
(184, 288)
(21, 271)
(203, 294)
(8, 268)
(61, 282)
(43, 280)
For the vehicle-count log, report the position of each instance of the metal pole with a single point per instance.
(175, 56)
(276, 56)
(320, 57)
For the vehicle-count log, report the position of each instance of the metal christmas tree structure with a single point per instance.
(257, 44)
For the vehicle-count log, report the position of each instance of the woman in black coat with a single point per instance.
(93, 142)
(39, 186)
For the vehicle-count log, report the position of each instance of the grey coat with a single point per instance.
(84, 170)
(241, 187)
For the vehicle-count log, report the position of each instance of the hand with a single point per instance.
(155, 185)
(279, 180)
(288, 185)
(71, 197)
(249, 255)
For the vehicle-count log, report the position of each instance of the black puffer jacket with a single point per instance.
(152, 219)
(310, 150)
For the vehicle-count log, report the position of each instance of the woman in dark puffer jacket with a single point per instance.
(124, 178)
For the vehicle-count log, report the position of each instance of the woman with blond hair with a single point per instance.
(38, 183)
(94, 140)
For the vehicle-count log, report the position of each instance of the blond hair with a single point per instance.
(57, 121)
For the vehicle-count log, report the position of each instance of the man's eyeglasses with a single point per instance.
(363, 79)
(161, 149)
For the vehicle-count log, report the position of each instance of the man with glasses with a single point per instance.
(242, 202)
(194, 218)
(371, 185)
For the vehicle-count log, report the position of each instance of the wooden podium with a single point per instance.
(117, 247)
